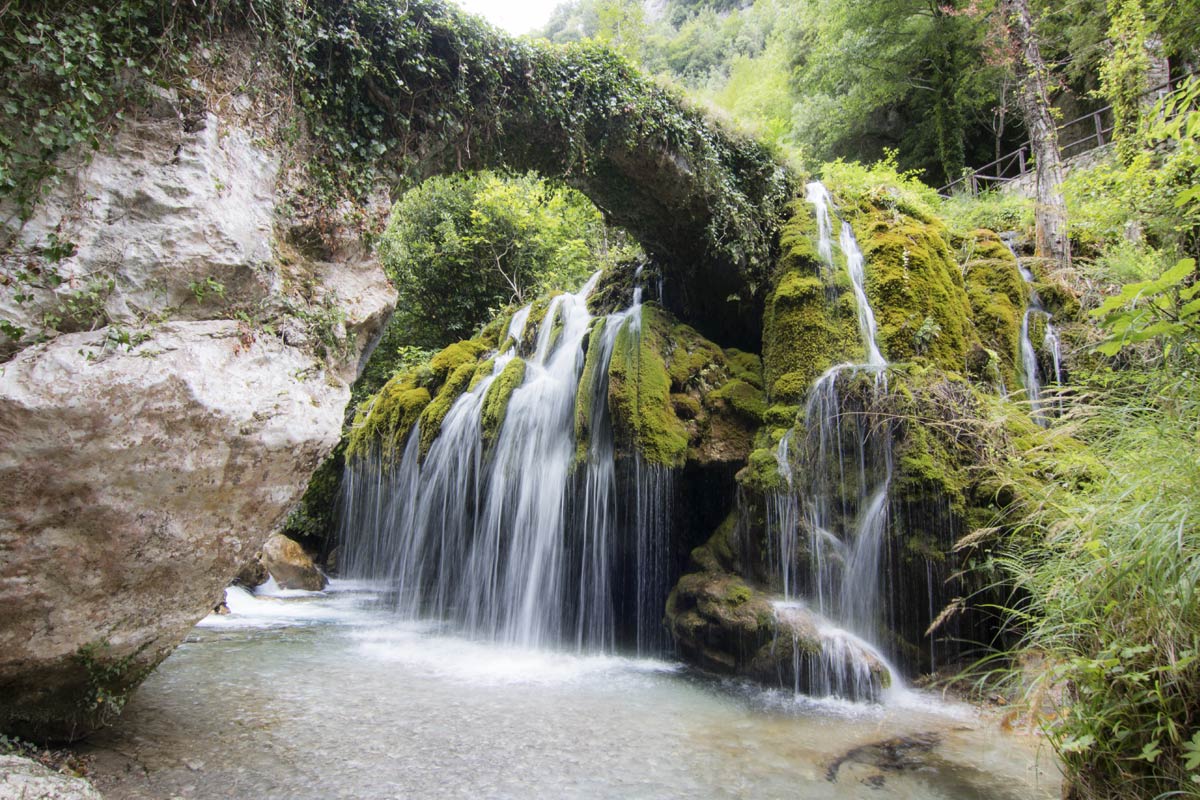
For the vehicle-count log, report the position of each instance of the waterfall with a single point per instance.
(1031, 369)
(527, 540)
(834, 509)
(818, 195)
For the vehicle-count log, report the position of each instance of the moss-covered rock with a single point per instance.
(745, 366)
(915, 288)
(495, 402)
(446, 361)
(742, 397)
(639, 393)
(810, 320)
(997, 295)
(723, 624)
(672, 394)
(538, 310)
(433, 415)
(384, 421)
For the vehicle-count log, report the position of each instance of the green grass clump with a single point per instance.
(1107, 572)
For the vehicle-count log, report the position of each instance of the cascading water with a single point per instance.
(841, 505)
(523, 540)
(1031, 369)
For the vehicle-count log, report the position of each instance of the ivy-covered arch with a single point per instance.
(425, 89)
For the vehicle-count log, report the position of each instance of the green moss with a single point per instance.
(742, 397)
(386, 419)
(685, 406)
(439, 407)
(640, 392)
(914, 284)
(997, 295)
(694, 361)
(761, 473)
(533, 325)
(482, 371)
(495, 402)
(809, 324)
(586, 392)
(453, 357)
(614, 290)
(490, 335)
(737, 594)
(745, 366)
(780, 415)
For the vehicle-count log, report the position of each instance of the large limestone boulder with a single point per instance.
(290, 565)
(25, 779)
(175, 384)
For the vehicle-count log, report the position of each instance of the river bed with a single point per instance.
(328, 695)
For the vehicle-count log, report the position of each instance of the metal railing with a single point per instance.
(1082, 135)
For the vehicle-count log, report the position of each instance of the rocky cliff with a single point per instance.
(175, 369)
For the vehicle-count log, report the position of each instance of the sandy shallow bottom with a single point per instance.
(301, 695)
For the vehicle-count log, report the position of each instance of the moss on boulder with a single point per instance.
(435, 413)
(446, 361)
(997, 295)
(673, 396)
(810, 321)
(639, 393)
(495, 402)
(722, 623)
(916, 289)
(385, 420)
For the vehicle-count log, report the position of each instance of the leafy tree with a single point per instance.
(459, 248)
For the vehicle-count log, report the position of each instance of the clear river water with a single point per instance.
(330, 695)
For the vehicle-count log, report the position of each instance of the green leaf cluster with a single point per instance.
(460, 248)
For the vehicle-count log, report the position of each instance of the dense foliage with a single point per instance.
(460, 248)
(1105, 552)
(931, 80)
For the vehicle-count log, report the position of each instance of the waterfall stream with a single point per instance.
(519, 541)
(1031, 369)
(834, 511)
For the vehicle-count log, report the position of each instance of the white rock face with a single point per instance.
(144, 461)
(162, 221)
(23, 779)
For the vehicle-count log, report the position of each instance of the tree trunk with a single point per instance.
(1033, 98)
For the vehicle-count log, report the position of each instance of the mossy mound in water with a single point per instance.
(943, 439)
(723, 624)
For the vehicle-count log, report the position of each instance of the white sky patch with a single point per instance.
(514, 16)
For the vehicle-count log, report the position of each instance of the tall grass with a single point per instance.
(1108, 572)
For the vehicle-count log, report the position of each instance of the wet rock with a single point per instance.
(290, 565)
(25, 779)
(898, 754)
(253, 573)
(722, 624)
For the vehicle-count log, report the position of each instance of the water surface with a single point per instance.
(310, 695)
